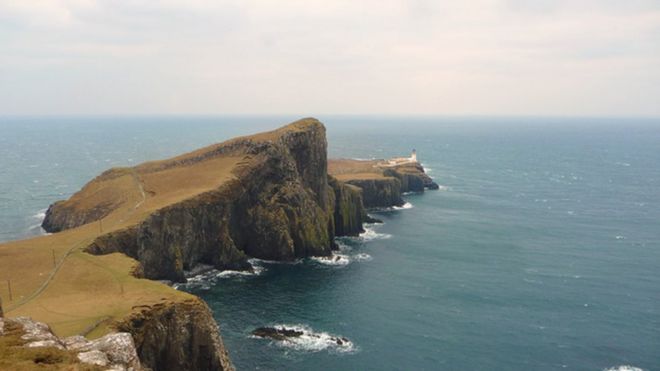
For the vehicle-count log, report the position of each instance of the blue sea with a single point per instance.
(541, 250)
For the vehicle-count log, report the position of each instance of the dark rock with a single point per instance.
(276, 333)
(177, 336)
(379, 192)
(349, 213)
(370, 219)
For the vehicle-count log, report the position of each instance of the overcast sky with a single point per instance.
(506, 57)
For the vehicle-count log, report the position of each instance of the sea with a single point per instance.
(540, 250)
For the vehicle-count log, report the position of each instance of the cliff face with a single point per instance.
(349, 213)
(379, 192)
(177, 336)
(412, 176)
(380, 182)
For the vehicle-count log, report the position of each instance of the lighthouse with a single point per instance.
(413, 156)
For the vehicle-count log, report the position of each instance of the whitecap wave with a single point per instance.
(334, 260)
(620, 163)
(405, 206)
(343, 247)
(370, 234)
(209, 277)
(41, 215)
(620, 237)
(362, 257)
(623, 368)
(312, 341)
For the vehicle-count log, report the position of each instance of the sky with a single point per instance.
(416, 57)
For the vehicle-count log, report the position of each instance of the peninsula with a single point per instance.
(100, 275)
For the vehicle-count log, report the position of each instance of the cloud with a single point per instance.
(388, 56)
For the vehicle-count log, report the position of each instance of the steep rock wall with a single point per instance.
(349, 213)
(177, 336)
(379, 192)
(412, 176)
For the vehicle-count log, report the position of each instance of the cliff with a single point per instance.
(381, 184)
(349, 213)
(275, 204)
(182, 336)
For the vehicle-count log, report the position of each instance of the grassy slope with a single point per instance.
(88, 292)
(346, 169)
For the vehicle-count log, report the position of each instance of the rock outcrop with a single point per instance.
(381, 183)
(34, 342)
(379, 192)
(412, 176)
(180, 336)
(349, 213)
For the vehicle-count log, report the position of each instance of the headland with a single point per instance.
(116, 243)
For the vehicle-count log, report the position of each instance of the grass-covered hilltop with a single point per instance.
(99, 274)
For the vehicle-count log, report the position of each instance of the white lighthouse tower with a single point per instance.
(413, 156)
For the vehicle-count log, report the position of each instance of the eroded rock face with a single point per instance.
(379, 192)
(412, 176)
(178, 336)
(349, 213)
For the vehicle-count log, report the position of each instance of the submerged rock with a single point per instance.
(303, 338)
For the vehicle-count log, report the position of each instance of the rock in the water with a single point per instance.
(276, 333)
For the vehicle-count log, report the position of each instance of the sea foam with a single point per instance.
(623, 368)
(405, 206)
(370, 234)
(313, 341)
(41, 215)
(208, 276)
(334, 259)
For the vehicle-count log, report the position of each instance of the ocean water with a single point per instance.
(541, 251)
